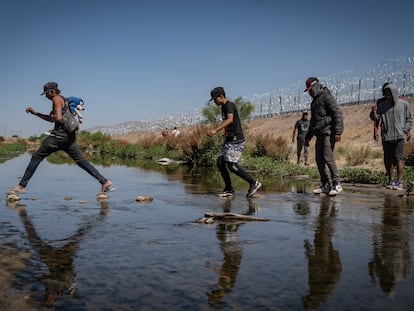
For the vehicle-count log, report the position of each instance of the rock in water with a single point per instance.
(144, 198)
(12, 197)
(101, 196)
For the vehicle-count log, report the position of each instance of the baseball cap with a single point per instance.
(216, 92)
(49, 86)
(310, 82)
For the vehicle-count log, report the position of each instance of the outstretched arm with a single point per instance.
(42, 116)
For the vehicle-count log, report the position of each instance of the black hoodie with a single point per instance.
(326, 117)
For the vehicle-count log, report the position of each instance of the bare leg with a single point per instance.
(389, 167)
(400, 170)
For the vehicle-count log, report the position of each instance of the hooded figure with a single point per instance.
(327, 124)
(394, 114)
(326, 117)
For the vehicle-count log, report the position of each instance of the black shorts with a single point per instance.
(393, 149)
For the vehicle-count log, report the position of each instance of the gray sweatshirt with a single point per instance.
(395, 117)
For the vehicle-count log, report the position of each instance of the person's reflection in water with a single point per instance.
(226, 233)
(391, 260)
(302, 208)
(324, 264)
(60, 278)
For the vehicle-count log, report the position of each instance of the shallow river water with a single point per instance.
(62, 249)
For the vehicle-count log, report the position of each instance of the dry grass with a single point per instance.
(357, 136)
(276, 148)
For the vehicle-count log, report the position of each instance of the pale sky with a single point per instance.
(134, 60)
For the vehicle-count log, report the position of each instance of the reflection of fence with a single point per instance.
(353, 86)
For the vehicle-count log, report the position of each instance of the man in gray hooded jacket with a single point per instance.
(327, 124)
(394, 115)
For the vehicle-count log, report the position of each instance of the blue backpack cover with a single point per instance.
(73, 102)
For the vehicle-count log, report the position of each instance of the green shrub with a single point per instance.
(94, 141)
(363, 176)
(109, 148)
(409, 154)
(278, 169)
(156, 152)
(130, 151)
(13, 148)
(408, 179)
(198, 148)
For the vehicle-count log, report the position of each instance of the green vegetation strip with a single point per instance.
(12, 148)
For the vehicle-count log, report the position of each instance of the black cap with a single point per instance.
(49, 87)
(310, 82)
(216, 92)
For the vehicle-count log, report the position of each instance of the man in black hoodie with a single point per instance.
(327, 124)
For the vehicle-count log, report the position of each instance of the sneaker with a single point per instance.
(390, 184)
(253, 188)
(226, 193)
(318, 190)
(335, 190)
(397, 186)
(326, 188)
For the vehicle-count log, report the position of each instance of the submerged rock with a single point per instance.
(144, 198)
(12, 197)
(205, 220)
(101, 196)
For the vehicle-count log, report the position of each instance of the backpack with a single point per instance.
(75, 106)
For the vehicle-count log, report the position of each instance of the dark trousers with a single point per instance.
(59, 140)
(225, 167)
(299, 146)
(324, 148)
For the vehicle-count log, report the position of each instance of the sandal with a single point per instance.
(106, 187)
(17, 189)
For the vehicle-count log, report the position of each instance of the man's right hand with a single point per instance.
(31, 110)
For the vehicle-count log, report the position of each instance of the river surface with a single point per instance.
(61, 249)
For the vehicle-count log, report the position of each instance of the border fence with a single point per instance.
(351, 87)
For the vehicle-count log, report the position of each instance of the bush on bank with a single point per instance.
(12, 148)
(263, 154)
